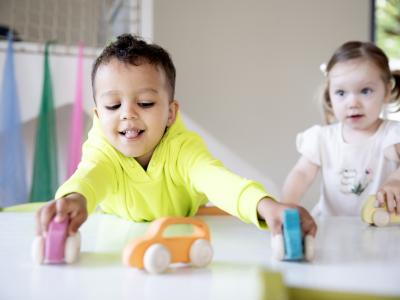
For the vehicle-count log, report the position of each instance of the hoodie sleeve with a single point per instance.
(205, 174)
(95, 176)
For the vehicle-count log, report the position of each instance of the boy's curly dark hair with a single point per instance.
(133, 50)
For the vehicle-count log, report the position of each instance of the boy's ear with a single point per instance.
(172, 112)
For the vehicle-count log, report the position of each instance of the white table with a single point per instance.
(350, 257)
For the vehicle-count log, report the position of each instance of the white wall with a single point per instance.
(247, 71)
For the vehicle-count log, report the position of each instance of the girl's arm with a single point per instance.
(299, 180)
(389, 192)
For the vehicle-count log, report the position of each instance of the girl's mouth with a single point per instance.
(355, 117)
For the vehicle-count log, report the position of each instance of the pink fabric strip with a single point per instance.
(76, 129)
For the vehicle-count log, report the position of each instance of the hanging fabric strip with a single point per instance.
(76, 124)
(45, 171)
(13, 187)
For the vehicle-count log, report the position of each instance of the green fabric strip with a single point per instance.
(45, 172)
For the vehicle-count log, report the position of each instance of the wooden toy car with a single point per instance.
(56, 247)
(154, 252)
(290, 245)
(373, 214)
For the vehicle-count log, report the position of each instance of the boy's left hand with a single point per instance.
(272, 211)
(389, 193)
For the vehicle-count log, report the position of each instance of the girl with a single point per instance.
(358, 152)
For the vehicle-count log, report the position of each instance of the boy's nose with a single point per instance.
(129, 113)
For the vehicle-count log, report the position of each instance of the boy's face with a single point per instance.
(132, 103)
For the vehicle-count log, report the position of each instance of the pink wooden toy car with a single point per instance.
(56, 247)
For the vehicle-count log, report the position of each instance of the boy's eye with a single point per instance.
(366, 91)
(113, 107)
(339, 92)
(146, 104)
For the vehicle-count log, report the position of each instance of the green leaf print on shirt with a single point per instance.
(358, 189)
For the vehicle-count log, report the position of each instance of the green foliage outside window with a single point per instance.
(387, 27)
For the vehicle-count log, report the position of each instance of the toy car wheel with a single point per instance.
(278, 247)
(156, 258)
(381, 218)
(309, 247)
(200, 253)
(72, 248)
(38, 250)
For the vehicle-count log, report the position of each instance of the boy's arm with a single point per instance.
(299, 180)
(203, 175)
(80, 194)
(95, 176)
(77, 196)
(240, 197)
(232, 193)
(389, 192)
(93, 180)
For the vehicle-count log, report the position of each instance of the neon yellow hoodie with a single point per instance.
(181, 176)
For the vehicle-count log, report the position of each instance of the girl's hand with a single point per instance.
(271, 211)
(72, 206)
(389, 193)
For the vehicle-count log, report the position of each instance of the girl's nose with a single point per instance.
(353, 101)
(129, 112)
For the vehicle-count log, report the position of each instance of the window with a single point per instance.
(386, 28)
(68, 22)
(385, 32)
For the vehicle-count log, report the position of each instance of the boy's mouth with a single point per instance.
(131, 133)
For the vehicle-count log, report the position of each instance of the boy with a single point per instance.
(140, 162)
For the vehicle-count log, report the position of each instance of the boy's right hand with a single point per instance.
(72, 206)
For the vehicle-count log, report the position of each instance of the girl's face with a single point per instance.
(132, 103)
(357, 94)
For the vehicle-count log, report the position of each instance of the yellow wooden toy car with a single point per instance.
(379, 216)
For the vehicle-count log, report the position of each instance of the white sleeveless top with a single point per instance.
(350, 172)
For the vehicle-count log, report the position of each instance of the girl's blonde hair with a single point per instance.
(361, 50)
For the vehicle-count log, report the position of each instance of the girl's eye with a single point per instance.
(113, 107)
(339, 92)
(366, 91)
(146, 104)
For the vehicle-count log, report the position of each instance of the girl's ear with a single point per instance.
(172, 112)
(388, 91)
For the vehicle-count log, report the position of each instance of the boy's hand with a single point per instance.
(72, 206)
(271, 211)
(389, 193)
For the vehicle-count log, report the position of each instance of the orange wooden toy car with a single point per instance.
(154, 252)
